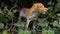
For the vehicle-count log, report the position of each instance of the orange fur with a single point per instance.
(38, 6)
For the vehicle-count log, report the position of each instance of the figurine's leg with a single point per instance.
(27, 23)
(34, 24)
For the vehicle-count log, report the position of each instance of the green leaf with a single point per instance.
(48, 31)
(21, 31)
(1, 26)
(4, 32)
(1, 11)
(43, 22)
(55, 23)
(14, 11)
(19, 25)
(57, 8)
(58, 14)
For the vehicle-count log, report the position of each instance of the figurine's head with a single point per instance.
(41, 8)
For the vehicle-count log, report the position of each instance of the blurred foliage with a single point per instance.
(48, 31)
(24, 31)
(48, 23)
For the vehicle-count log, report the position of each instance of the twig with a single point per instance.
(11, 25)
(13, 7)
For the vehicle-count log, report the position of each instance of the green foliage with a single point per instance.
(21, 31)
(43, 22)
(48, 23)
(48, 31)
(19, 25)
(5, 32)
(57, 7)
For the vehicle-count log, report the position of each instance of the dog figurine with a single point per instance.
(33, 12)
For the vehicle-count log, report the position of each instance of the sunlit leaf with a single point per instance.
(58, 14)
(55, 23)
(4, 32)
